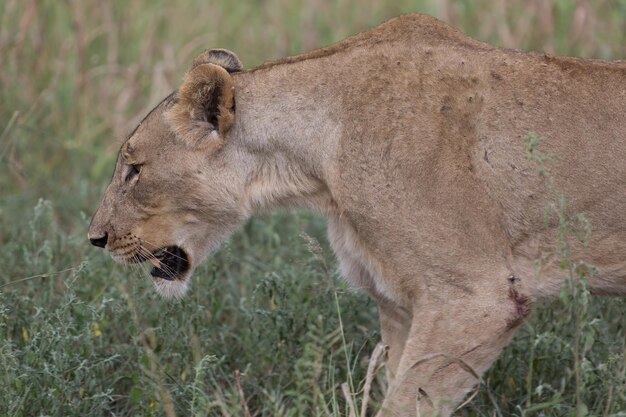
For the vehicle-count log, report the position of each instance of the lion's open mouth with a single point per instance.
(169, 263)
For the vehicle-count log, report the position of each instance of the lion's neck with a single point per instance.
(288, 128)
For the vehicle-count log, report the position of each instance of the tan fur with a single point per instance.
(410, 138)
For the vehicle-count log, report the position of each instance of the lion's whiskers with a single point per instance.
(163, 249)
(137, 270)
(156, 262)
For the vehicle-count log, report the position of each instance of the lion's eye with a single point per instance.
(133, 171)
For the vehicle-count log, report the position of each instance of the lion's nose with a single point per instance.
(99, 241)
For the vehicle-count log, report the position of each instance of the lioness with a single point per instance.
(410, 139)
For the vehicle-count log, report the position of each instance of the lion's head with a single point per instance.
(175, 191)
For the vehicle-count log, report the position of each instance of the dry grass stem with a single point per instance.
(345, 389)
(242, 397)
(372, 368)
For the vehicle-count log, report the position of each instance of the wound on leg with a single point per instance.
(521, 302)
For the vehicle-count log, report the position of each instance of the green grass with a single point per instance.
(80, 335)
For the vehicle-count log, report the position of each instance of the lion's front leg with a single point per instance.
(395, 324)
(452, 340)
(359, 268)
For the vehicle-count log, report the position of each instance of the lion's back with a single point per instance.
(411, 30)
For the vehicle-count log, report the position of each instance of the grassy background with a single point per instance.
(269, 329)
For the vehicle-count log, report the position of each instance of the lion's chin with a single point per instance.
(171, 272)
(173, 289)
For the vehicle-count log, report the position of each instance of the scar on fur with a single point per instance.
(422, 395)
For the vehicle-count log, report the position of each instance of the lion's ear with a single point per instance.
(204, 110)
(222, 57)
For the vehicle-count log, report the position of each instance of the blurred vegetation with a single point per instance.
(269, 328)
